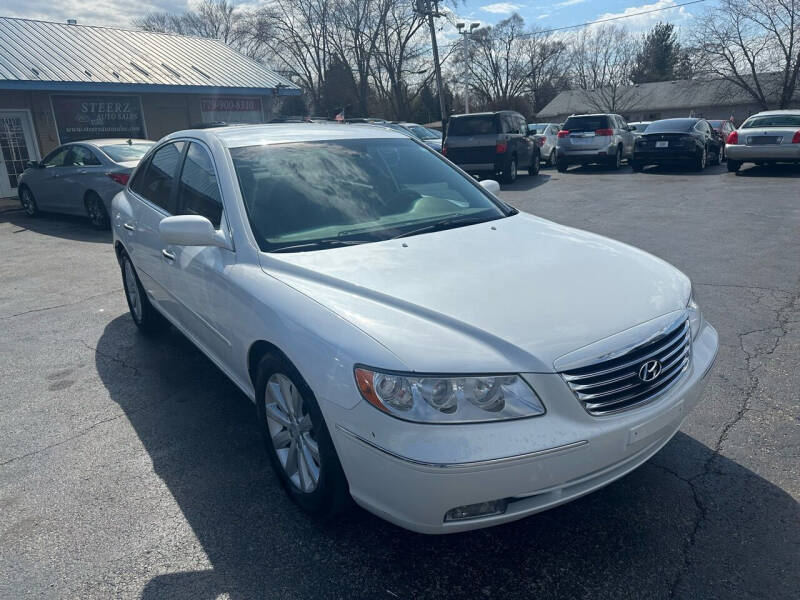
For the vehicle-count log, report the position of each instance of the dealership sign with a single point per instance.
(88, 117)
(231, 109)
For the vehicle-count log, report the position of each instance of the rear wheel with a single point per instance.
(637, 166)
(551, 160)
(297, 439)
(510, 174)
(734, 165)
(700, 161)
(97, 211)
(536, 164)
(718, 156)
(616, 162)
(28, 202)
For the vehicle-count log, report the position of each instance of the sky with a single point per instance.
(556, 13)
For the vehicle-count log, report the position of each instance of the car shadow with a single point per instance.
(71, 227)
(526, 182)
(688, 170)
(779, 170)
(597, 169)
(201, 434)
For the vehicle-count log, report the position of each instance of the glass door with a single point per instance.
(17, 147)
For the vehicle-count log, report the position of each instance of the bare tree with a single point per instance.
(753, 45)
(602, 59)
(548, 65)
(498, 61)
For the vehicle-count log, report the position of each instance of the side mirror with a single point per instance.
(491, 186)
(191, 230)
(34, 164)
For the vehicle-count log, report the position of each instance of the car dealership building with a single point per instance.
(61, 82)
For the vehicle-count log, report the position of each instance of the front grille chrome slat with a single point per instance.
(614, 385)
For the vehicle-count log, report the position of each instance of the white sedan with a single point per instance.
(408, 339)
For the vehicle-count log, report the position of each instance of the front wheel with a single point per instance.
(734, 165)
(551, 160)
(297, 439)
(28, 202)
(144, 315)
(510, 174)
(562, 166)
(536, 164)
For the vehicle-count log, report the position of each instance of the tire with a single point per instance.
(96, 211)
(28, 202)
(637, 166)
(144, 314)
(510, 173)
(536, 164)
(702, 160)
(292, 429)
(734, 165)
(551, 160)
(724, 154)
(562, 166)
(718, 157)
(616, 162)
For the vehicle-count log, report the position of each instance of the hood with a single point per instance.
(510, 295)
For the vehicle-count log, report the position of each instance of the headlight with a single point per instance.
(433, 399)
(695, 316)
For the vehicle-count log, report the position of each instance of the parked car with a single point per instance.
(428, 137)
(638, 127)
(81, 178)
(407, 338)
(546, 135)
(492, 144)
(765, 138)
(723, 128)
(604, 139)
(671, 141)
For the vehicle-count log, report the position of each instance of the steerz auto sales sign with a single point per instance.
(91, 117)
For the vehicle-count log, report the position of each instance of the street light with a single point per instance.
(467, 33)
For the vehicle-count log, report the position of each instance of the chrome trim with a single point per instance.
(168, 255)
(129, 227)
(464, 465)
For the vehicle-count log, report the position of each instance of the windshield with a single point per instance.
(591, 123)
(313, 195)
(421, 132)
(477, 125)
(772, 121)
(639, 126)
(537, 127)
(127, 152)
(671, 125)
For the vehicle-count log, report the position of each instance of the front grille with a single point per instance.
(614, 385)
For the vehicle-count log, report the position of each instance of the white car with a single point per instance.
(765, 138)
(407, 338)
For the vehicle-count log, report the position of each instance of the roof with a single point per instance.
(279, 133)
(662, 95)
(58, 56)
(110, 141)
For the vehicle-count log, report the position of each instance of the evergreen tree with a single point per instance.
(661, 57)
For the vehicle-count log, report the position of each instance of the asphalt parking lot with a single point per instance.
(131, 467)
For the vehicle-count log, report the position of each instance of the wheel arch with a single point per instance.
(258, 350)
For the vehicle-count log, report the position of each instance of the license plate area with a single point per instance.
(764, 140)
(662, 144)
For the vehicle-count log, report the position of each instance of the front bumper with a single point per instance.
(780, 153)
(412, 474)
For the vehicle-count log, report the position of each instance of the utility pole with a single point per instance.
(467, 33)
(430, 9)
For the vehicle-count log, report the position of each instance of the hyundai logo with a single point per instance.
(650, 371)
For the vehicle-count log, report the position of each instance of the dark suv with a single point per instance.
(492, 143)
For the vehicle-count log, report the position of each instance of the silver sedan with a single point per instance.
(81, 178)
(767, 137)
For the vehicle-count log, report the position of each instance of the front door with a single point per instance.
(17, 147)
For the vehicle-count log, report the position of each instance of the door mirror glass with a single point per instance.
(491, 186)
(34, 164)
(190, 230)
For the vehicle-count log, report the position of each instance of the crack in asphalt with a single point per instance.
(112, 357)
(35, 310)
(781, 327)
(743, 287)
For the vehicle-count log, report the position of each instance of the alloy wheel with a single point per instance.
(28, 203)
(292, 433)
(96, 212)
(132, 290)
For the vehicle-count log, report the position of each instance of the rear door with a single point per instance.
(153, 198)
(524, 142)
(197, 274)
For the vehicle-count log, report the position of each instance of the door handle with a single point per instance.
(168, 255)
(129, 227)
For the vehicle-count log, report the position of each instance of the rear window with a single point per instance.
(772, 121)
(587, 123)
(538, 127)
(716, 124)
(671, 125)
(126, 152)
(473, 125)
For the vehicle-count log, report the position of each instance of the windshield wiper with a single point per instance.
(321, 244)
(442, 225)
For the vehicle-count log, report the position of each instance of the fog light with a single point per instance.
(473, 511)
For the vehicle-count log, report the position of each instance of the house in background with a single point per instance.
(709, 99)
(61, 82)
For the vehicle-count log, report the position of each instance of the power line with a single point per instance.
(644, 12)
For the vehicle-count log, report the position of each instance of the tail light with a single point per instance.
(733, 137)
(501, 147)
(540, 141)
(604, 132)
(444, 150)
(563, 133)
(796, 137)
(120, 178)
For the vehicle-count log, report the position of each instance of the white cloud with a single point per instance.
(568, 3)
(501, 8)
(645, 21)
(114, 13)
(543, 16)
